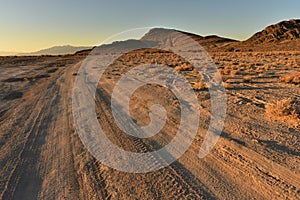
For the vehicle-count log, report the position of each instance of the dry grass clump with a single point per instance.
(187, 67)
(261, 75)
(259, 69)
(247, 79)
(234, 73)
(285, 109)
(199, 85)
(227, 85)
(291, 78)
(178, 68)
(184, 67)
(226, 71)
(195, 71)
(244, 66)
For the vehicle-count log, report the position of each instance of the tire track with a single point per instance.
(178, 186)
(26, 169)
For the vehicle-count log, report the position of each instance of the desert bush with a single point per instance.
(131, 62)
(247, 79)
(260, 75)
(225, 78)
(226, 85)
(187, 67)
(199, 85)
(195, 71)
(178, 68)
(184, 67)
(291, 78)
(226, 71)
(243, 66)
(286, 109)
(229, 49)
(234, 72)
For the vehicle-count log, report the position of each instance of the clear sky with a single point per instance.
(30, 25)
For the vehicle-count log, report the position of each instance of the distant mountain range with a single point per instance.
(57, 50)
(8, 53)
(284, 35)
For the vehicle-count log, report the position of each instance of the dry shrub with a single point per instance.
(229, 49)
(285, 109)
(266, 68)
(195, 71)
(227, 85)
(247, 79)
(199, 85)
(184, 67)
(244, 66)
(178, 68)
(225, 78)
(164, 63)
(291, 78)
(131, 62)
(226, 71)
(234, 72)
(261, 75)
(187, 67)
(259, 69)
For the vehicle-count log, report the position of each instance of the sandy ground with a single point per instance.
(42, 156)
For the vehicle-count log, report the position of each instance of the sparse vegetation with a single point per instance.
(229, 49)
(234, 73)
(291, 78)
(227, 85)
(199, 85)
(178, 68)
(286, 109)
(247, 79)
(36, 126)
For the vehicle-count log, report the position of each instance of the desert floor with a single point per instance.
(42, 156)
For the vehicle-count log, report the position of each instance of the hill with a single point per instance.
(57, 50)
(280, 32)
(283, 36)
(208, 42)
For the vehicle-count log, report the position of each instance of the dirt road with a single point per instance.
(42, 156)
